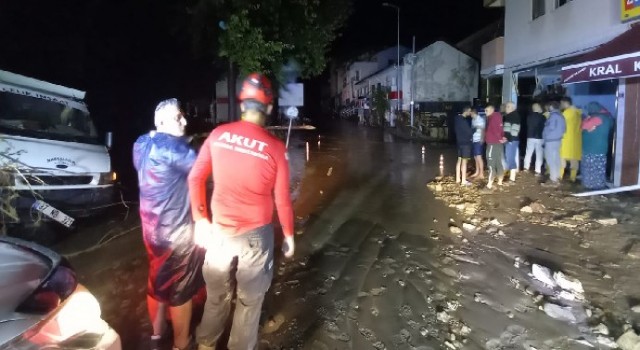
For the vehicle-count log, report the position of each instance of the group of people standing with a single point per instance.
(558, 135)
(230, 245)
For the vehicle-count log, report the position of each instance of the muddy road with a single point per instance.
(381, 263)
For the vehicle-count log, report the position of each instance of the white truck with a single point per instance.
(53, 164)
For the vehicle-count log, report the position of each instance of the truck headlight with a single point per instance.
(108, 178)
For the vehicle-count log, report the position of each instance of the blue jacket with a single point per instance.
(163, 163)
(554, 128)
(464, 131)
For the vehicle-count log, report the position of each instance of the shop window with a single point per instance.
(537, 9)
(607, 87)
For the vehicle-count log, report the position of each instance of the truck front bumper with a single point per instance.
(77, 203)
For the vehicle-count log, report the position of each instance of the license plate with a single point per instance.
(53, 213)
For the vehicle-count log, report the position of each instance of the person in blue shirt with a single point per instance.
(596, 128)
(552, 134)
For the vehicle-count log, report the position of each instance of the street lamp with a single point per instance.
(386, 4)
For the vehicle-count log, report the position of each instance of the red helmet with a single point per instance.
(256, 87)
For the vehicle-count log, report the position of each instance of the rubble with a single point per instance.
(443, 317)
(560, 294)
(526, 209)
(629, 341)
(565, 283)
(608, 222)
(543, 275)
(559, 313)
(469, 227)
(537, 207)
(455, 230)
(602, 340)
(601, 329)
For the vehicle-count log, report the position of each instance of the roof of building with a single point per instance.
(375, 73)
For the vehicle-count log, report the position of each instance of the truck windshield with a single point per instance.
(45, 119)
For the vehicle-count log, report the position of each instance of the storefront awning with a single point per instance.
(619, 58)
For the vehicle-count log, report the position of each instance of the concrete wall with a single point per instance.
(572, 29)
(442, 73)
(492, 57)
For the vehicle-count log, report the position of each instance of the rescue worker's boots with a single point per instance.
(561, 174)
(574, 175)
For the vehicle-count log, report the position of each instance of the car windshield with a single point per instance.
(45, 118)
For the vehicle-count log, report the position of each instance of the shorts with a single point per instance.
(464, 151)
(478, 149)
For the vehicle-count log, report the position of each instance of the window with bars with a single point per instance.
(537, 8)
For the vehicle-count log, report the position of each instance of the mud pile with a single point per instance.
(548, 269)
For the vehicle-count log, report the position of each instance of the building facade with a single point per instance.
(542, 35)
(584, 49)
(345, 76)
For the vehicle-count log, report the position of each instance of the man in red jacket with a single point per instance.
(250, 170)
(495, 145)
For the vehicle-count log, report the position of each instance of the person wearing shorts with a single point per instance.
(464, 140)
(478, 124)
(163, 159)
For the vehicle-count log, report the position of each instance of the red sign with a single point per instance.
(616, 67)
(393, 95)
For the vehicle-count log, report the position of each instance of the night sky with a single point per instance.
(95, 44)
(130, 54)
(373, 26)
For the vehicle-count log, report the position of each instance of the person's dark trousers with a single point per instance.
(253, 254)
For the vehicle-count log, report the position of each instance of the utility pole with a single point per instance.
(398, 89)
(413, 62)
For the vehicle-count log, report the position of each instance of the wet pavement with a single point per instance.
(363, 222)
(384, 261)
